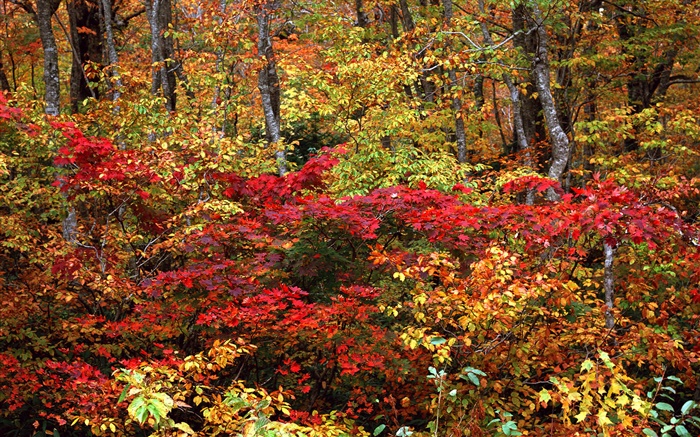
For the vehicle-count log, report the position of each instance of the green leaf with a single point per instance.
(124, 393)
(474, 379)
(545, 396)
(650, 432)
(682, 431)
(437, 341)
(378, 430)
(675, 378)
(687, 407)
(473, 370)
(663, 406)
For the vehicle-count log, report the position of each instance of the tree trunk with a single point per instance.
(609, 285)
(557, 136)
(162, 77)
(86, 47)
(4, 83)
(406, 18)
(362, 20)
(531, 107)
(519, 135)
(112, 54)
(44, 12)
(456, 100)
(268, 84)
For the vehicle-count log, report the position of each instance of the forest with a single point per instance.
(366, 218)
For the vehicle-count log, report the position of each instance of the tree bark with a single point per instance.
(162, 77)
(268, 84)
(362, 20)
(112, 54)
(609, 285)
(557, 136)
(52, 97)
(514, 92)
(4, 83)
(531, 108)
(86, 47)
(456, 100)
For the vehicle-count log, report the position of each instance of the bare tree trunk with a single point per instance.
(85, 46)
(112, 54)
(557, 136)
(362, 20)
(456, 100)
(161, 79)
(406, 18)
(609, 285)
(4, 83)
(268, 84)
(44, 12)
(515, 97)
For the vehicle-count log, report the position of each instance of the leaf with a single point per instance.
(663, 406)
(650, 432)
(682, 431)
(689, 405)
(437, 341)
(378, 430)
(184, 427)
(474, 379)
(124, 393)
(545, 396)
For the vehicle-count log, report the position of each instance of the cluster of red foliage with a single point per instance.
(348, 302)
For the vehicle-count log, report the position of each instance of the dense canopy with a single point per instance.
(349, 218)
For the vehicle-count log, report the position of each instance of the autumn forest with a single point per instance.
(349, 218)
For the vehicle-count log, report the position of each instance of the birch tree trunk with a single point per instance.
(557, 136)
(609, 285)
(268, 84)
(44, 11)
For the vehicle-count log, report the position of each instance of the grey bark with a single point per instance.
(456, 100)
(557, 136)
(112, 54)
(526, 40)
(268, 84)
(609, 285)
(514, 92)
(162, 78)
(44, 11)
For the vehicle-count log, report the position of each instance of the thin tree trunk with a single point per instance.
(159, 75)
(609, 285)
(4, 83)
(52, 96)
(112, 54)
(456, 101)
(362, 20)
(557, 136)
(85, 47)
(406, 18)
(268, 84)
(514, 92)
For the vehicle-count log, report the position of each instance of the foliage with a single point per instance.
(158, 278)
